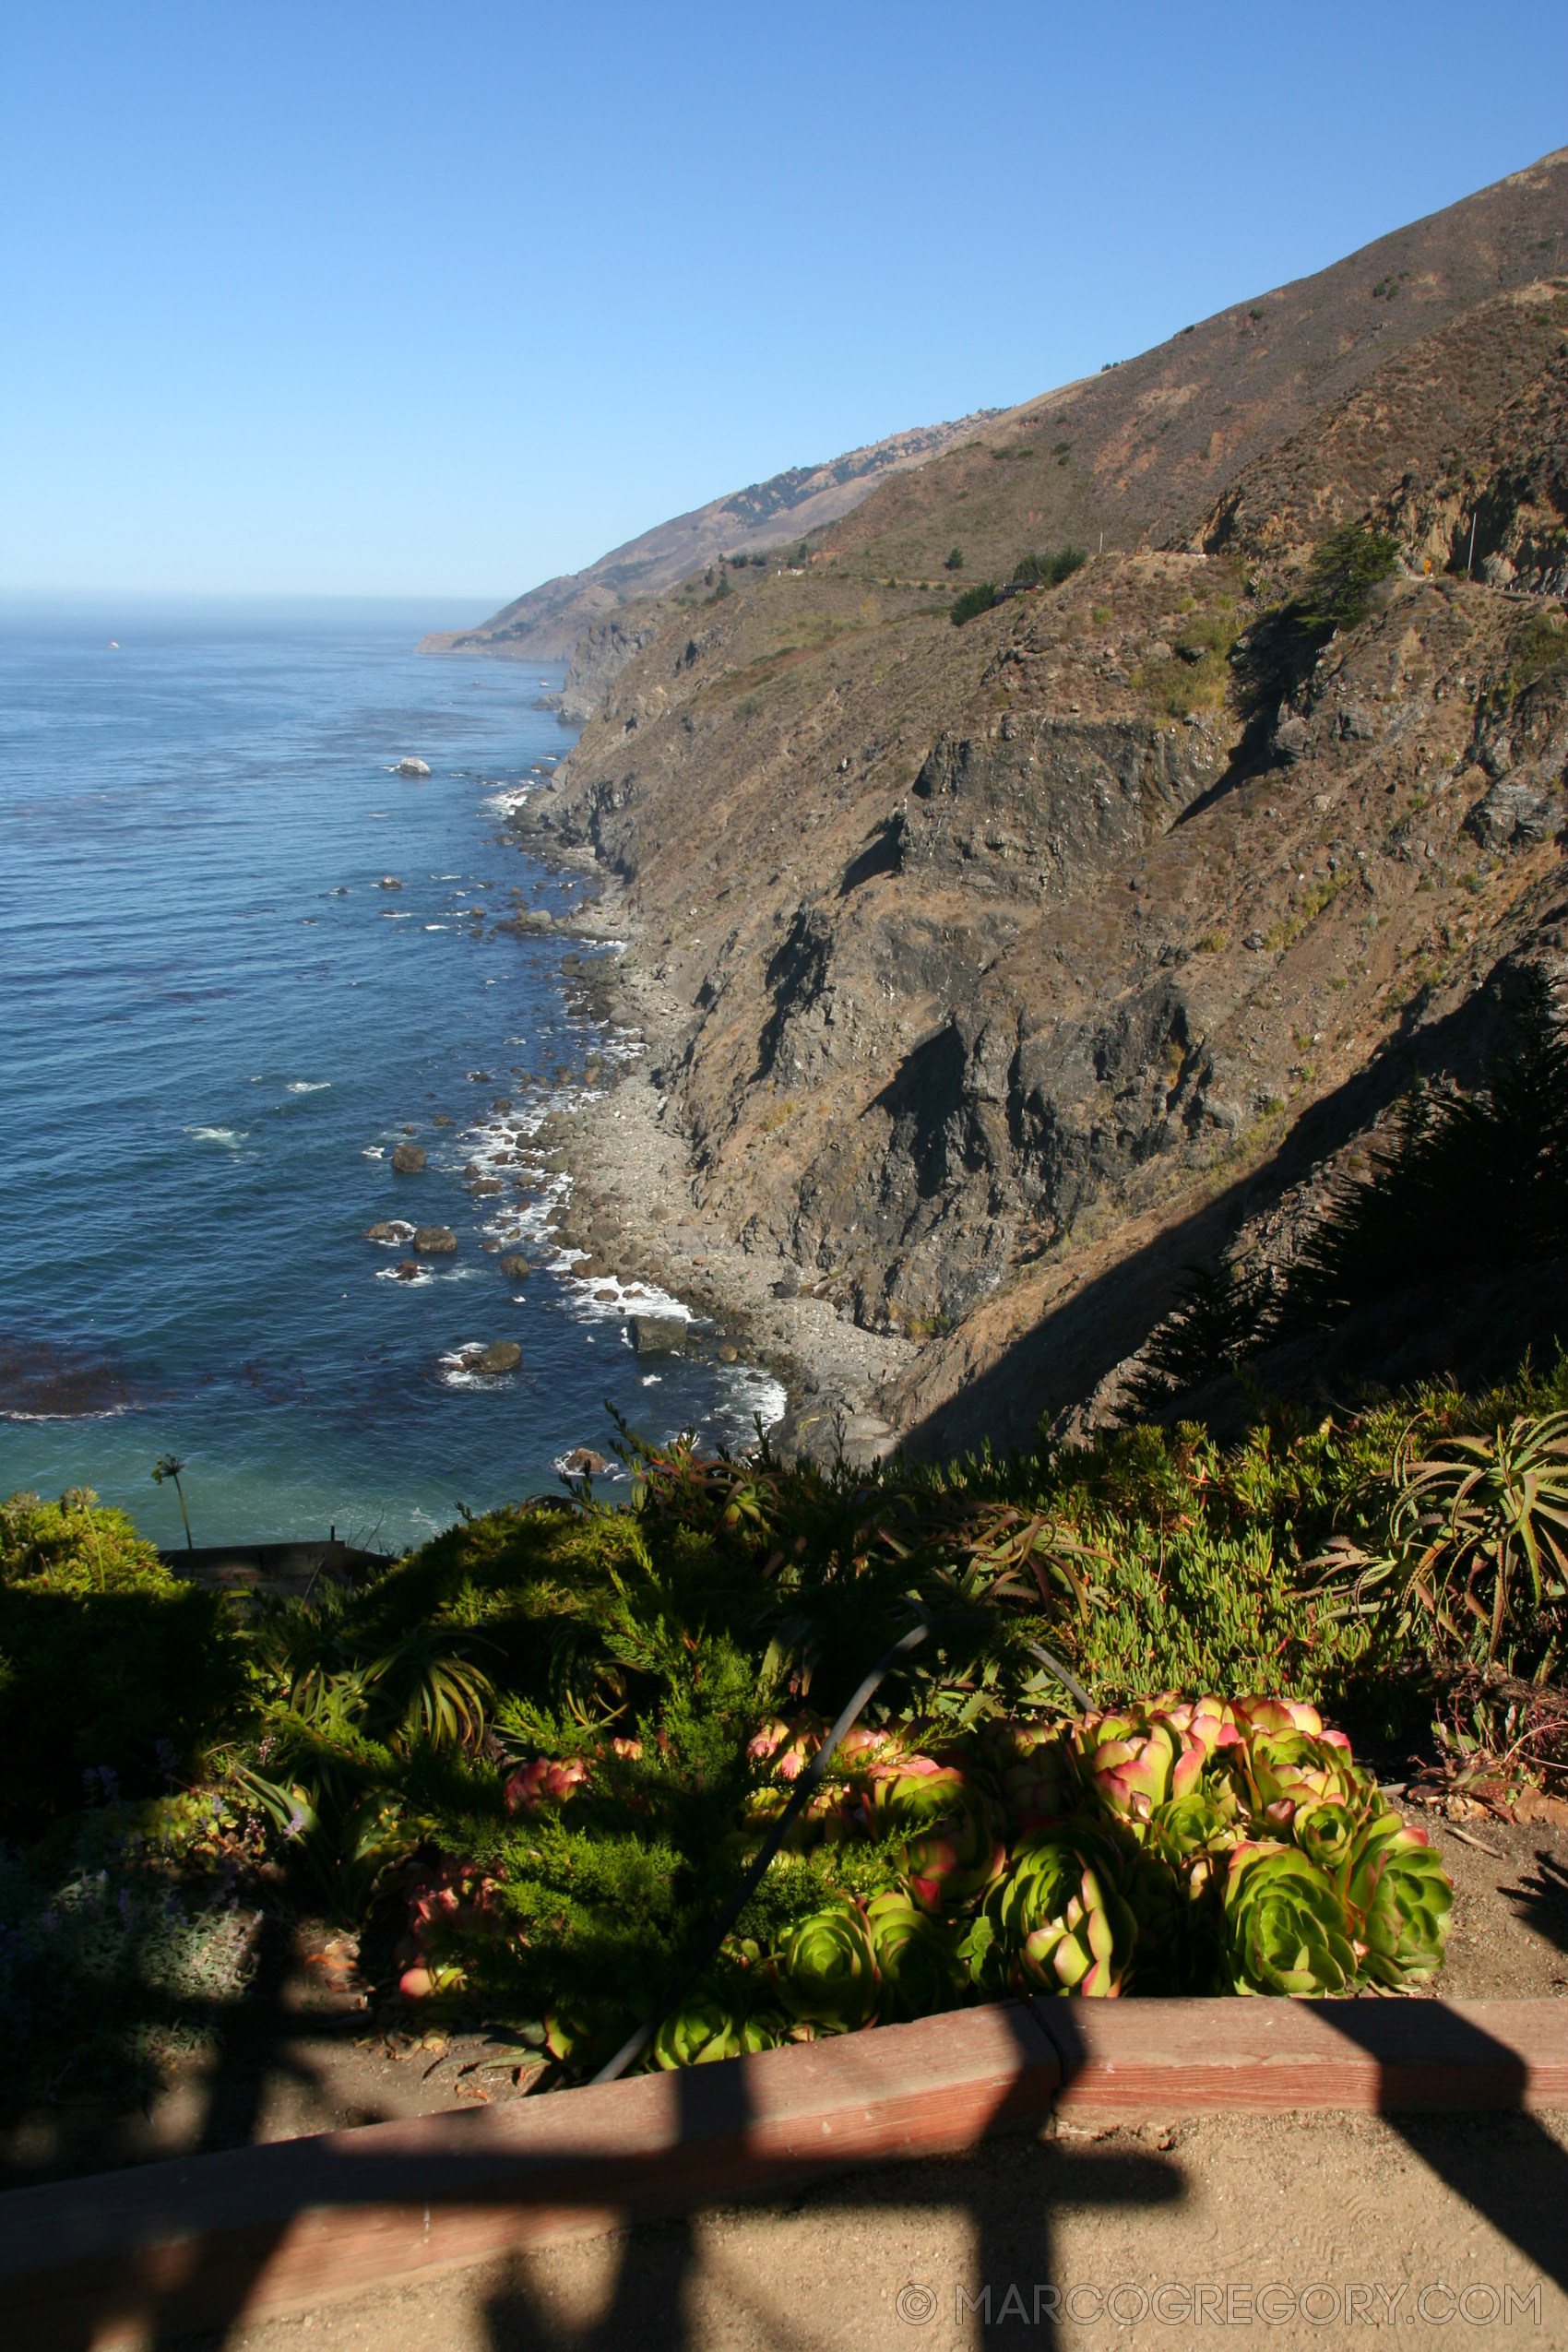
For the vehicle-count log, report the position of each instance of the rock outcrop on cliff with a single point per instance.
(1006, 967)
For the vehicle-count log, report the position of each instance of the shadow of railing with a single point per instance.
(170, 2251)
(1524, 2200)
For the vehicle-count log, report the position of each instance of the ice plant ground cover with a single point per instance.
(530, 1764)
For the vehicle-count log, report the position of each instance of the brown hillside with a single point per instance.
(994, 971)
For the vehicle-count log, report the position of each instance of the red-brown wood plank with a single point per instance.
(1164, 2058)
(298, 2222)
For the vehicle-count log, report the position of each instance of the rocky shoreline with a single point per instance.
(635, 1203)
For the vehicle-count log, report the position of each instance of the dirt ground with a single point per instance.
(1285, 2230)
(313, 2060)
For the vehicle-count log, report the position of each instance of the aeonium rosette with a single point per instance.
(1133, 1765)
(1032, 1768)
(954, 1853)
(703, 2028)
(1400, 1902)
(916, 1958)
(827, 1973)
(1290, 1770)
(1207, 1721)
(545, 1781)
(1286, 1923)
(1060, 1918)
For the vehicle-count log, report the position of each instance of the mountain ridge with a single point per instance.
(987, 969)
(546, 622)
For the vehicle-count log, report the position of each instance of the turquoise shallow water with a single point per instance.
(217, 1025)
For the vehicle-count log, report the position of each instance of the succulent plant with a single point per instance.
(1300, 1768)
(1286, 1924)
(1203, 1822)
(1134, 1766)
(827, 1973)
(917, 1957)
(703, 2028)
(1400, 1901)
(1276, 1715)
(1088, 1949)
(1060, 1916)
(544, 1782)
(1326, 1834)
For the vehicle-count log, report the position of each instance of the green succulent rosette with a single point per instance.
(1089, 1948)
(1285, 1923)
(703, 2028)
(953, 1864)
(916, 1958)
(1060, 1921)
(826, 1974)
(1297, 1768)
(1033, 1771)
(1133, 1765)
(1327, 1835)
(1400, 1900)
(1202, 1823)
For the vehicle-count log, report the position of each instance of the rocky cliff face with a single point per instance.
(999, 968)
(601, 653)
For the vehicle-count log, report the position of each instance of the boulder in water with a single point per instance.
(583, 1463)
(435, 1241)
(659, 1335)
(515, 1268)
(500, 1355)
(413, 768)
(409, 1159)
(392, 1229)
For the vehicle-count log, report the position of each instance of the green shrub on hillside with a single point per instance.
(1050, 569)
(1541, 644)
(108, 1664)
(1343, 570)
(976, 599)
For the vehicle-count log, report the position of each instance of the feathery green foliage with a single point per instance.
(107, 1661)
(974, 600)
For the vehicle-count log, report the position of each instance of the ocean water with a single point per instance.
(217, 1026)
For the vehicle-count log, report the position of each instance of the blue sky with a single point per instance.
(409, 300)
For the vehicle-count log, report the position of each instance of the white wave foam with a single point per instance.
(230, 1136)
(307, 1086)
(372, 1151)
